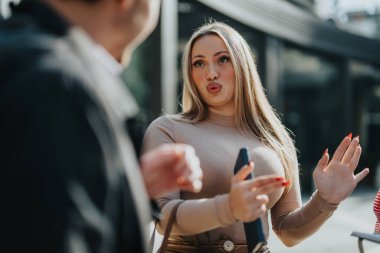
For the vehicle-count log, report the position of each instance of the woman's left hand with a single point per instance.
(335, 180)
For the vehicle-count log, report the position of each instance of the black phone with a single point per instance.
(254, 229)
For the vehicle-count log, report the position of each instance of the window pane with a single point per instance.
(313, 106)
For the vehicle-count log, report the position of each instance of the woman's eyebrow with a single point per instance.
(220, 52)
(198, 56)
(216, 54)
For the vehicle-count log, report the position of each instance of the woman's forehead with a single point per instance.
(208, 45)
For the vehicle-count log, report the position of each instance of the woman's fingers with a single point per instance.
(248, 198)
(243, 173)
(262, 199)
(322, 163)
(264, 180)
(362, 174)
(256, 207)
(270, 187)
(261, 186)
(338, 155)
(347, 157)
(355, 158)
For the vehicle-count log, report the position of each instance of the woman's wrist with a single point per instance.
(223, 210)
(322, 204)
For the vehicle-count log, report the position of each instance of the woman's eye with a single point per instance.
(198, 64)
(224, 59)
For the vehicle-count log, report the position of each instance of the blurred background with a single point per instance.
(319, 61)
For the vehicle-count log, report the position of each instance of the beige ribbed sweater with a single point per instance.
(217, 142)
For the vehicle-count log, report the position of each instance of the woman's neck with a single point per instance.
(223, 111)
(223, 120)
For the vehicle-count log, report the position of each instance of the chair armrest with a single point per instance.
(367, 236)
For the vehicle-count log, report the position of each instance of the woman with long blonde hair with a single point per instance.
(224, 109)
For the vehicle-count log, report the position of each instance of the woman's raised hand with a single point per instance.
(335, 180)
(248, 198)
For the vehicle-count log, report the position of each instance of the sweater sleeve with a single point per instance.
(209, 213)
(294, 222)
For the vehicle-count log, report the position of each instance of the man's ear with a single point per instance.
(126, 5)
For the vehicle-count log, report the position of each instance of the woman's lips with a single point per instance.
(213, 87)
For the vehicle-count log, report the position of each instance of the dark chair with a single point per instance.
(375, 237)
(365, 236)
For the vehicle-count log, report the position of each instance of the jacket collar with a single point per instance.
(110, 86)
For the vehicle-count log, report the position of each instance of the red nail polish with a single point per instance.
(286, 183)
(349, 135)
(326, 151)
(280, 179)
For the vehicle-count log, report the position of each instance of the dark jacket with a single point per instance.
(71, 175)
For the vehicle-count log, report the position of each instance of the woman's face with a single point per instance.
(213, 74)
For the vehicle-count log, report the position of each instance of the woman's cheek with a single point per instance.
(197, 77)
(229, 72)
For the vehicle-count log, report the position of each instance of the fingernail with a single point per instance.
(357, 137)
(349, 135)
(250, 163)
(280, 179)
(326, 151)
(286, 183)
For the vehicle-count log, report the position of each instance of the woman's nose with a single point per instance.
(212, 74)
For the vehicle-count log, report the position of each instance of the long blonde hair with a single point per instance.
(254, 114)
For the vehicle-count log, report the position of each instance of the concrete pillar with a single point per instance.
(169, 42)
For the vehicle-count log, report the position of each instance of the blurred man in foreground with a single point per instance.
(72, 179)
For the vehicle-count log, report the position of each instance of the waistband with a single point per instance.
(221, 246)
